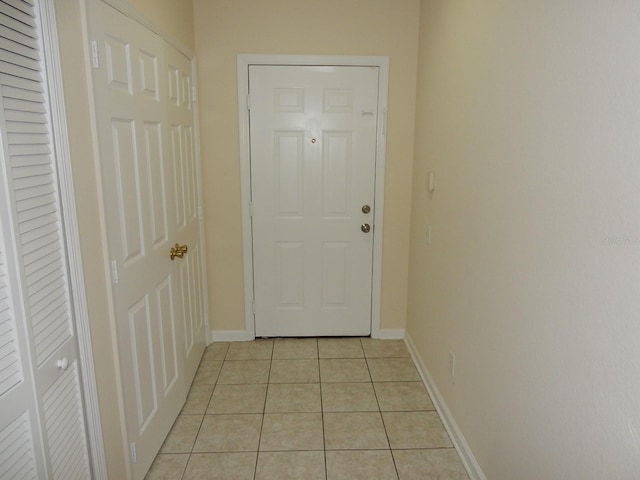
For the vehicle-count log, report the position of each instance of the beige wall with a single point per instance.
(225, 28)
(174, 17)
(71, 16)
(528, 114)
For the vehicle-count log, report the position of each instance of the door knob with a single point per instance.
(62, 364)
(366, 209)
(178, 251)
(365, 227)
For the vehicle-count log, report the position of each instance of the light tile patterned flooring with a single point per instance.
(307, 409)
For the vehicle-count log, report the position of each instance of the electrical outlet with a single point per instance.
(452, 364)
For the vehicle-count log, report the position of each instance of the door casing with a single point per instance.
(243, 63)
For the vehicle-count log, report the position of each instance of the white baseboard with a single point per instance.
(245, 336)
(231, 336)
(389, 334)
(466, 455)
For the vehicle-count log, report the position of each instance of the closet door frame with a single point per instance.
(53, 69)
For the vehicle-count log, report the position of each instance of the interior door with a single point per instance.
(144, 115)
(313, 153)
(188, 214)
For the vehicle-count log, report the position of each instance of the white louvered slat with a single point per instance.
(42, 240)
(29, 160)
(36, 235)
(26, 139)
(46, 309)
(15, 36)
(45, 283)
(26, 127)
(24, 150)
(29, 85)
(26, 171)
(24, 106)
(31, 182)
(20, 60)
(65, 427)
(36, 213)
(24, 7)
(32, 203)
(16, 14)
(20, 93)
(10, 69)
(43, 246)
(17, 82)
(23, 117)
(47, 262)
(17, 456)
(7, 44)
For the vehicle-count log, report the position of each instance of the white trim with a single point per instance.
(457, 438)
(244, 60)
(57, 113)
(203, 245)
(231, 336)
(127, 9)
(390, 334)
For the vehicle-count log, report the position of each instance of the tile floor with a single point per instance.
(307, 409)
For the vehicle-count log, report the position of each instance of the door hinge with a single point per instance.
(95, 56)
(194, 94)
(248, 102)
(115, 275)
(132, 452)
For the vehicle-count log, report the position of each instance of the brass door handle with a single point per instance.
(178, 251)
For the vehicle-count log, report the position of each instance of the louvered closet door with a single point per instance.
(39, 369)
(19, 457)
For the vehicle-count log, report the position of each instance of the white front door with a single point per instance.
(144, 113)
(313, 154)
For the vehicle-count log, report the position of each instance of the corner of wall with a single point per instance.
(457, 438)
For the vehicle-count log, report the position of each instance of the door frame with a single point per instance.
(47, 26)
(246, 60)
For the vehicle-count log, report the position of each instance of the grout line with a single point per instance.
(324, 437)
(393, 459)
(186, 465)
(184, 472)
(264, 410)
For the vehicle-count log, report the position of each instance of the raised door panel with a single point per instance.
(289, 175)
(155, 164)
(129, 184)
